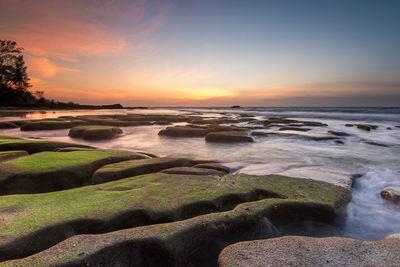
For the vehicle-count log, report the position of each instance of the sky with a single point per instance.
(210, 53)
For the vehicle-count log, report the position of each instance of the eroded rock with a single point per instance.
(95, 132)
(391, 193)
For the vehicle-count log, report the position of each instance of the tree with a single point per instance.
(13, 73)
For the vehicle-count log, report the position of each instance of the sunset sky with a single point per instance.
(210, 53)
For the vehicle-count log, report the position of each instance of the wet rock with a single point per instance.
(69, 149)
(228, 137)
(51, 171)
(309, 251)
(7, 125)
(131, 168)
(33, 146)
(213, 166)
(294, 129)
(349, 125)
(184, 131)
(46, 125)
(235, 106)
(391, 193)
(338, 133)
(339, 142)
(388, 128)
(374, 143)
(366, 127)
(193, 171)
(313, 123)
(162, 123)
(321, 173)
(7, 155)
(163, 216)
(95, 132)
(305, 136)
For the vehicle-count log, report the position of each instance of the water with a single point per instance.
(368, 216)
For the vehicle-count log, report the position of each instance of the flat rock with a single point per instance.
(193, 171)
(46, 125)
(391, 193)
(51, 171)
(294, 129)
(184, 131)
(366, 127)
(320, 173)
(33, 146)
(95, 132)
(213, 166)
(228, 137)
(184, 213)
(131, 168)
(305, 135)
(309, 251)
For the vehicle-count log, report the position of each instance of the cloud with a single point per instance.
(68, 29)
(42, 67)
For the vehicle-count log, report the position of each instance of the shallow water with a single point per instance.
(368, 216)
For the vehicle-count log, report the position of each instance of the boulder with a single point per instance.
(51, 171)
(391, 193)
(95, 132)
(7, 125)
(228, 137)
(7, 155)
(193, 171)
(309, 251)
(159, 216)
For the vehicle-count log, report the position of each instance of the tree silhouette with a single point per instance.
(13, 73)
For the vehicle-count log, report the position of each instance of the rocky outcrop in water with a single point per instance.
(391, 193)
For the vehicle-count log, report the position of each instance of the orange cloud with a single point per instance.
(43, 67)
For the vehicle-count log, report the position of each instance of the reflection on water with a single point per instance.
(368, 216)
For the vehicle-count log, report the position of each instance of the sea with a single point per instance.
(365, 161)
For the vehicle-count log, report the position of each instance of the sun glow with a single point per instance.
(205, 93)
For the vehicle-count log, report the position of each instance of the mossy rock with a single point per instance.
(366, 127)
(309, 251)
(193, 171)
(130, 168)
(31, 223)
(9, 137)
(228, 137)
(46, 125)
(51, 171)
(95, 132)
(109, 121)
(7, 155)
(72, 148)
(7, 125)
(33, 146)
(213, 166)
(184, 131)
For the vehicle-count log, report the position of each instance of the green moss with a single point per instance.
(46, 160)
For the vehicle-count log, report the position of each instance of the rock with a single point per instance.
(160, 216)
(162, 123)
(193, 171)
(339, 142)
(337, 133)
(69, 149)
(305, 136)
(388, 128)
(7, 155)
(366, 127)
(374, 143)
(51, 171)
(213, 166)
(131, 168)
(33, 146)
(95, 132)
(184, 131)
(7, 125)
(309, 251)
(391, 193)
(320, 173)
(46, 125)
(349, 125)
(235, 106)
(313, 123)
(228, 137)
(294, 129)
